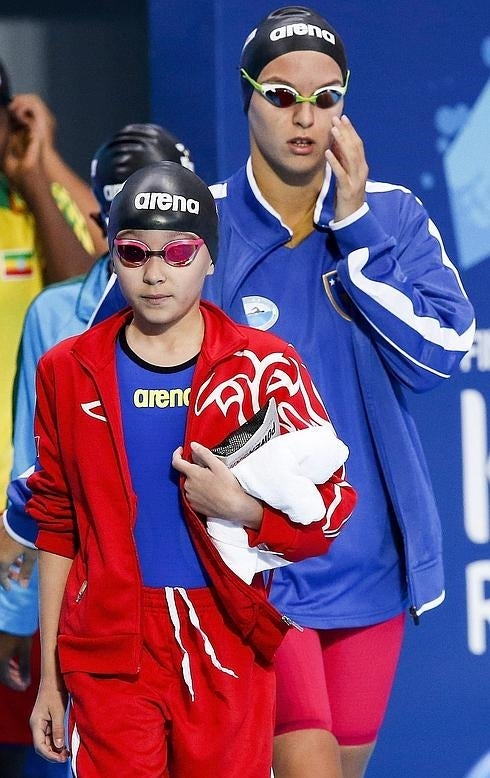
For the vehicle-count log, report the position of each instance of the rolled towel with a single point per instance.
(283, 472)
(231, 540)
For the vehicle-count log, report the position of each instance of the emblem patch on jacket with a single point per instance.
(261, 313)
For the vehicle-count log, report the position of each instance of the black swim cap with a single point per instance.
(165, 196)
(130, 149)
(292, 28)
(5, 93)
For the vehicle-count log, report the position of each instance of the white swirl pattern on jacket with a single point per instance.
(248, 387)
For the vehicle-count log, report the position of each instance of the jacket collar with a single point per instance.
(251, 228)
(222, 337)
(93, 286)
(262, 211)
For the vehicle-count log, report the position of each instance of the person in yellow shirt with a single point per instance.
(46, 233)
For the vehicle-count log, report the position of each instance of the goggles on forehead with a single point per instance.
(283, 95)
(176, 253)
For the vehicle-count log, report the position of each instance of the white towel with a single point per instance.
(283, 473)
(231, 540)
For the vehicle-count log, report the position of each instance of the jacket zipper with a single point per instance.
(291, 623)
(81, 591)
(414, 615)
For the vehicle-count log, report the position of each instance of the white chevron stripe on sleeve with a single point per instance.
(402, 307)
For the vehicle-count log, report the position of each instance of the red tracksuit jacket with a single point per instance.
(85, 506)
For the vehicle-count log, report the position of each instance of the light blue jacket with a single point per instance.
(59, 311)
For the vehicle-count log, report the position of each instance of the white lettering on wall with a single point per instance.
(476, 477)
(476, 466)
(478, 607)
(478, 357)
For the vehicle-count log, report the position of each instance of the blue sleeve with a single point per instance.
(33, 344)
(37, 337)
(17, 522)
(407, 290)
(19, 607)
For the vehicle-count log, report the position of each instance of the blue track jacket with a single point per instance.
(411, 325)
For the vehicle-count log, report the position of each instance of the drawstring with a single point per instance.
(194, 619)
(75, 745)
(174, 617)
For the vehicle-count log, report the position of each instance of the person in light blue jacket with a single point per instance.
(354, 274)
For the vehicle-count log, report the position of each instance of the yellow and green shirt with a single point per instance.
(21, 279)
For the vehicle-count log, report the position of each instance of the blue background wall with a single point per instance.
(420, 98)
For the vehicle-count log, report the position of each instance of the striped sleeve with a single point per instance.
(398, 275)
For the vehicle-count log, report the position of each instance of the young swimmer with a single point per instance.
(165, 652)
(59, 311)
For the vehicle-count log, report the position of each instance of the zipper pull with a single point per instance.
(81, 591)
(291, 623)
(414, 615)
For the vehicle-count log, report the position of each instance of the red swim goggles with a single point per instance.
(176, 253)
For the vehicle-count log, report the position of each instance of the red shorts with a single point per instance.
(338, 679)
(200, 706)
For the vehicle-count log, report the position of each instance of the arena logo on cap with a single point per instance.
(111, 190)
(300, 28)
(149, 201)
